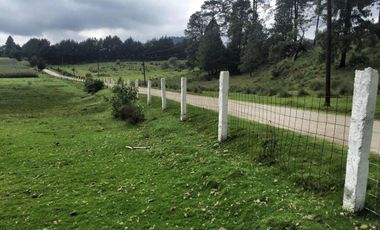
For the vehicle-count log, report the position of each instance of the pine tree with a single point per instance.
(256, 51)
(194, 32)
(12, 50)
(211, 52)
(237, 32)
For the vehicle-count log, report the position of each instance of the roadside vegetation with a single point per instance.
(67, 167)
(11, 68)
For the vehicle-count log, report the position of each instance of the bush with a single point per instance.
(173, 61)
(284, 93)
(316, 85)
(33, 61)
(165, 65)
(269, 151)
(41, 64)
(302, 93)
(124, 103)
(93, 85)
(358, 60)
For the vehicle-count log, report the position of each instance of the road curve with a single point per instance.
(332, 127)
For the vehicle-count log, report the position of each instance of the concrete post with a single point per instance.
(359, 140)
(163, 93)
(149, 93)
(183, 99)
(223, 105)
(137, 87)
(128, 82)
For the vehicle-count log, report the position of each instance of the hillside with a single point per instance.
(10, 68)
(305, 76)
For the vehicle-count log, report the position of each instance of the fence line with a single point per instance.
(316, 160)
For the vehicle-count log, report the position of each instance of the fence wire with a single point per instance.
(373, 187)
(300, 134)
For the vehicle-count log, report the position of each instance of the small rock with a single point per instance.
(363, 226)
(309, 217)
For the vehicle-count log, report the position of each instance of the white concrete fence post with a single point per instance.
(163, 93)
(359, 141)
(223, 105)
(183, 98)
(149, 93)
(137, 87)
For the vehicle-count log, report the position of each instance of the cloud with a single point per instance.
(79, 19)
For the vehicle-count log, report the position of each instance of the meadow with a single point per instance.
(298, 84)
(131, 70)
(11, 68)
(64, 165)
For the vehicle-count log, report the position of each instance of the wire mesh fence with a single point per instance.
(373, 187)
(299, 134)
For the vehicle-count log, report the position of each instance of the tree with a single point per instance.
(291, 22)
(194, 32)
(220, 10)
(237, 32)
(41, 64)
(256, 51)
(36, 47)
(351, 15)
(12, 50)
(328, 54)
(33, 61)
(211, 52)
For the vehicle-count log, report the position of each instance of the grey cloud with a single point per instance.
(38, 17)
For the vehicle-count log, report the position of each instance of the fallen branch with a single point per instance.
(136, 148)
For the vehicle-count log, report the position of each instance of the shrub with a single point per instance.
(41, 64)
(124, 103)
(33, 61)
(358, 60)
(269, 150)
(165, 65)
(302, 93)
(284, 93)
(316, 84)
(173, 61)
(93, 85)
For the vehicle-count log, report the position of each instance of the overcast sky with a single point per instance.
(79, 19)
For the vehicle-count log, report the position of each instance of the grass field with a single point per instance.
(11, 68)
(126, 70)
(64, 165)
(294, 84)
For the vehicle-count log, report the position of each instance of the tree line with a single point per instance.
(110, 48)
(230, 34)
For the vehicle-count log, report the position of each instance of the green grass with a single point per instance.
(11, 68)
(64, 165)
(305, 74)
(126, 70)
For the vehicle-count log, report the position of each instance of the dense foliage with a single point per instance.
(111, 48)
(250, 44)
(125, 103)
(93, 85)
